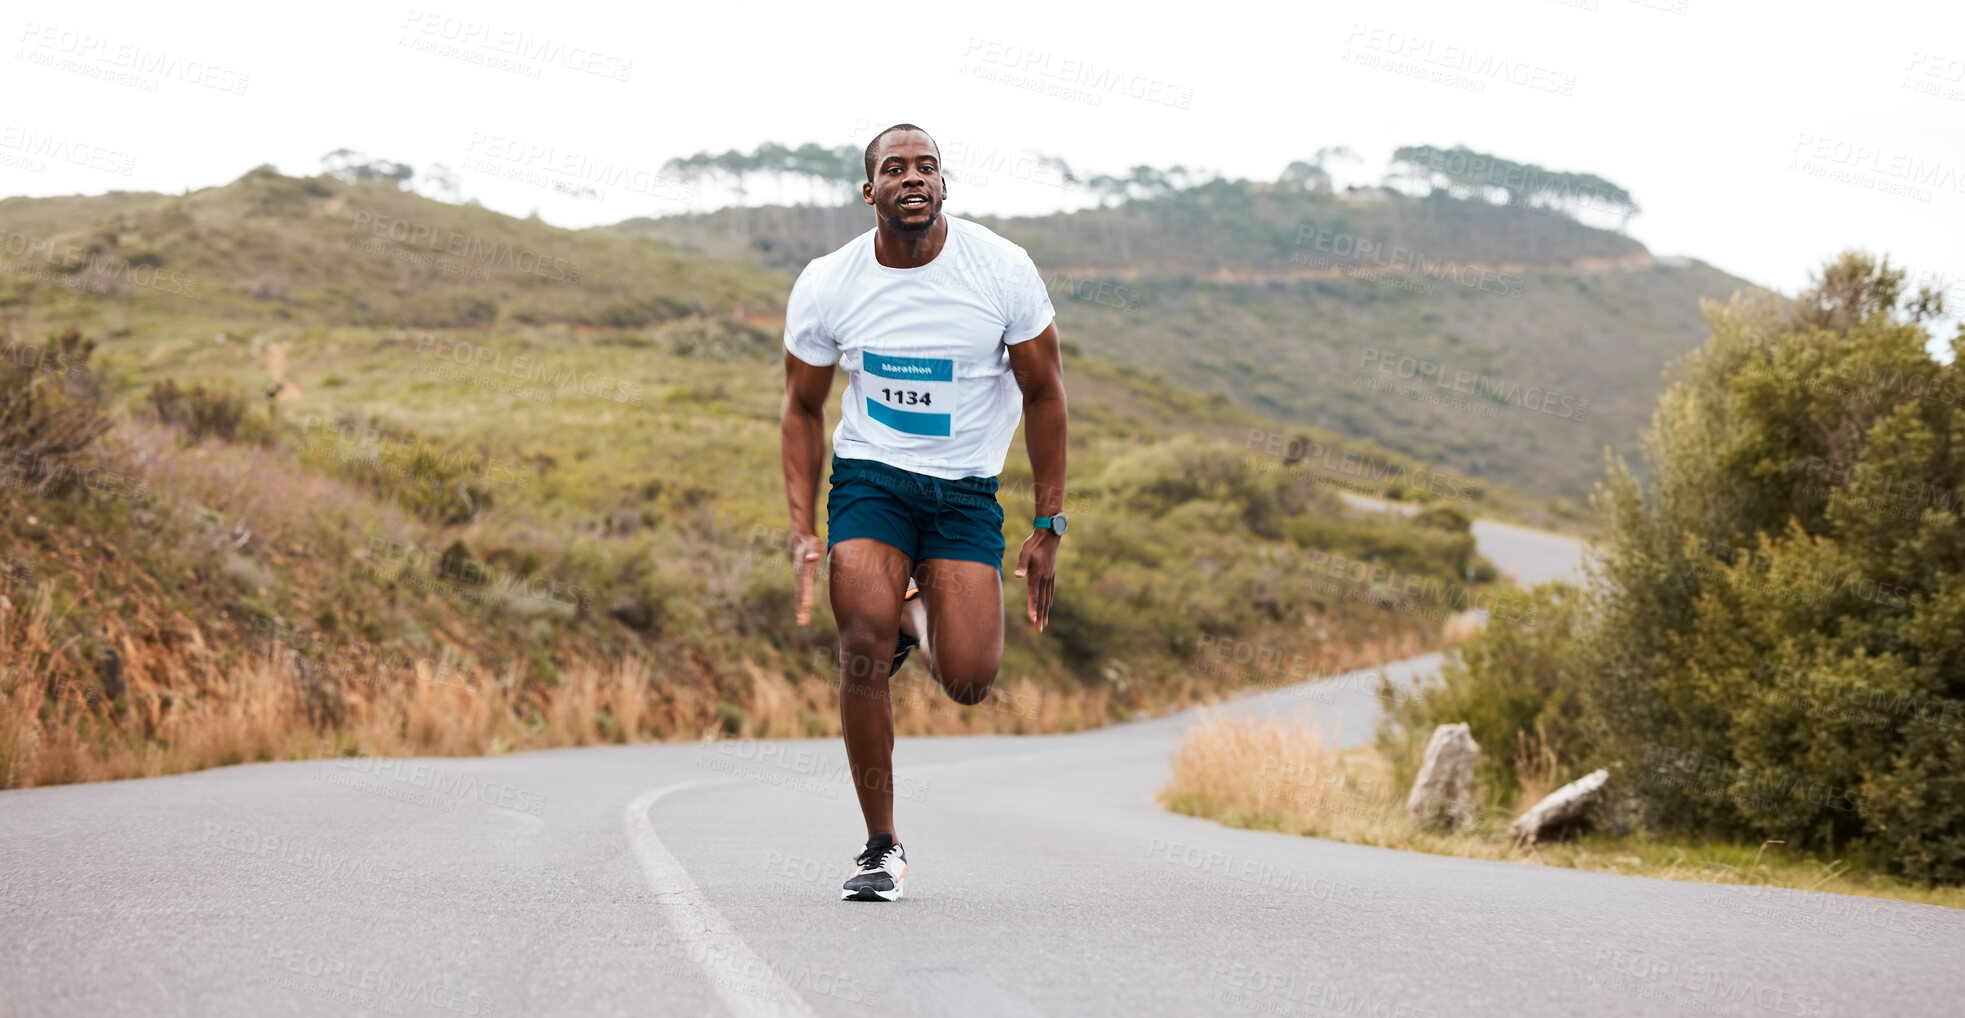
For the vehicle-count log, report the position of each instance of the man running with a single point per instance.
(945, 332)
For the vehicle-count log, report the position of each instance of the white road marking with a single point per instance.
(747, 985)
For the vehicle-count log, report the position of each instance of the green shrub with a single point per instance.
(215, 412)
(200, 412)
(1444, 517)
(1776, 650)
(1188, 508)
(52, 407)
(438, 482)
(714, 339)
(768, 598)
(1520, 691)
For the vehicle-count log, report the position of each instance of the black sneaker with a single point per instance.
(906, 644)
(878, 873)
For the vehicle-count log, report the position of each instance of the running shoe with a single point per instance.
(878, 873)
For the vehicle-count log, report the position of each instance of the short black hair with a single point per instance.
(875, 143)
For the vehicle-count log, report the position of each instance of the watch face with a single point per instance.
(1058, 524)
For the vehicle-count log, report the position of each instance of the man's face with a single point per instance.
(907, 188)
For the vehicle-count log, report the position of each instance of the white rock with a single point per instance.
(1561, 808)
(1443, 795)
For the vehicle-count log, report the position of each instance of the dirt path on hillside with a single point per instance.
(1342, 268)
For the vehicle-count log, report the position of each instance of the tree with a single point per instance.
(352, 167)
(1466, 174)
(1572, 191)
(1332, 153)
(839, 170)
(693, 169)
(1148, 182)
(737, 167)
(1302, 176)
(1067, 179)
(443, 184)
(1776, 639)
(775, 160)
(836, 171)
(1105, 186)
(1314, 175)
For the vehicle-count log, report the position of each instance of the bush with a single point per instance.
(714, 339)
(1519, 690)
(52, 407)
(1186, 508)
(1444, 517)
(441, 487)
(1777, 647)
(441, 483)
(201, 413)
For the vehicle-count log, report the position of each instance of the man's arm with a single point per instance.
(802, 442)
(1040, 373)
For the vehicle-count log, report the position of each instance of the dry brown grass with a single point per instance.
(1459, 628)
(181, 711)
(237, 533)
(782, 709)
(1539, 769)
(260, 711)
(1278, 775)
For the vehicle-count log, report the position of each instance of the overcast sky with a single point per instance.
(1758, 136)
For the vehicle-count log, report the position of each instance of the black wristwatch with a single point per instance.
(1056, 524)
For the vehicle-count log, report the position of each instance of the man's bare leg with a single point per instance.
(868, 579)
(961, 625)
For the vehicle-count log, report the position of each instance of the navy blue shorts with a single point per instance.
(925, 517)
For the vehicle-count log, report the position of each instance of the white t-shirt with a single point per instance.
(926, 350)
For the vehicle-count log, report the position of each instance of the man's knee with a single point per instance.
(865, 654)
(969, 696)
(968, 685)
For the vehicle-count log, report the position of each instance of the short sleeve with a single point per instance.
(1028, 301)
(806, 335)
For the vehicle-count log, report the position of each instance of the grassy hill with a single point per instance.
(318, 251)
(1223, 224)
(1292, 301)
(1508, 344)
(406, 489)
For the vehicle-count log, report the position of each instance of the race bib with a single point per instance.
(912, 395)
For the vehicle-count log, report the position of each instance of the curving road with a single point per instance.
(702, 879)
(1531, 556)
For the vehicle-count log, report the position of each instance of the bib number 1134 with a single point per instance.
(911, 395)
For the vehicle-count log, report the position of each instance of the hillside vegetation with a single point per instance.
(1504, 342)
(367, 486)
(323, 252)
(1771, 647)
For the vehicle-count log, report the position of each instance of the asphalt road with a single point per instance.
(703, 879)
(1530, 556)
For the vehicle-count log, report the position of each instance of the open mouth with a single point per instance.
(914, 201)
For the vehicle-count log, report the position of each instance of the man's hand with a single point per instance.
(1039, 562)
(806, 552)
